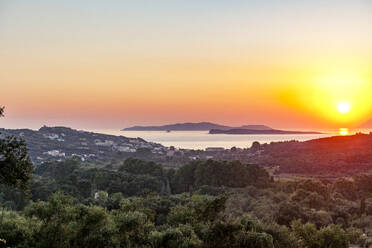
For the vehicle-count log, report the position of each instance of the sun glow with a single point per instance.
(338, 97)
(343, 107)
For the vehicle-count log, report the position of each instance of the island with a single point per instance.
(256, 131)
(190, 126)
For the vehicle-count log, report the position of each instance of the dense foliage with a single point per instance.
(15, 164)
(138, 203)
(187, 221)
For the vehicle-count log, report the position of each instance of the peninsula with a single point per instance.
(255, 131)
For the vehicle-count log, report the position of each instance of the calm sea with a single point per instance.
(202, 139)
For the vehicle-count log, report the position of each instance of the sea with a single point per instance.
(202, 139)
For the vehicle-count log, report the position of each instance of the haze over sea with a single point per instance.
(202, 139)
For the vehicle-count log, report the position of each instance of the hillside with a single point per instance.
(339, 155)
(59, 143)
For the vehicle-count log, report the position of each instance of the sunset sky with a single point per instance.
(113, 64)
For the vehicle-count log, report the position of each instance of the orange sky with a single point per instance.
(283, 63)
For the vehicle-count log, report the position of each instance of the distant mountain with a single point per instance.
(252, 131)
(200, 126)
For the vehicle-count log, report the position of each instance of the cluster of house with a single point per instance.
(131, 146)
(55, 153)
(116, 145)
(55, 136)
(210, 152)
(104, 145)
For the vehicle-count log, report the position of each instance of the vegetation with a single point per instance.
(15, 164)
(137, 203)
(337, 156)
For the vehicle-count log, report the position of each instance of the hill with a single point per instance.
(189, 126)
(338, 155)
(59, 143)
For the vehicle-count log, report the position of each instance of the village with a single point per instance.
(61, 143)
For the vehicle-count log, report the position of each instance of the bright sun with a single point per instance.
(343, 107)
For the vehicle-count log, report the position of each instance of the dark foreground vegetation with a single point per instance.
(136, 203)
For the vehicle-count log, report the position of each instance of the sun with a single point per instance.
(343, 107)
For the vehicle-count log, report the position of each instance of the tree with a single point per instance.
(15, 164)
(256, 146)
(331, 236)
(56, 216)
(288, 212)
(141, 167)
(218, 173)
(172, 237)
(17, 230)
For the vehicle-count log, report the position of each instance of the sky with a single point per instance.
(112, 64)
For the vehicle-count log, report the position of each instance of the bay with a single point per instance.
(202, 139)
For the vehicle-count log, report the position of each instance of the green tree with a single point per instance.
(332, 236)
(174, 237)
(141, 167)
(94, 228)
(16, 230)
(15, 164)
(57, 215)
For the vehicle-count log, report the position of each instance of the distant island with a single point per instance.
(199, 126)
(256, 131)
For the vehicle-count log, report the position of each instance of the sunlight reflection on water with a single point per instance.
(344, 131)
